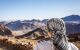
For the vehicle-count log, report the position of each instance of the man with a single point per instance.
(57, 34)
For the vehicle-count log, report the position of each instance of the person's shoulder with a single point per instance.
(72, 46)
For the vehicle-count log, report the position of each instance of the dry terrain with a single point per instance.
(12, 43)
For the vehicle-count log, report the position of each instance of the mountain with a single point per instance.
(14, 25)
(72, 24)
(44, 21)
(72, 18)
(26, 24)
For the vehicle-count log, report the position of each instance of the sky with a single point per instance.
(11, 10)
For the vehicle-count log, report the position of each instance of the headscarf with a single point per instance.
(57, 26)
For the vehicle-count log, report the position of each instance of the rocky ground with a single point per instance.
(11, 43)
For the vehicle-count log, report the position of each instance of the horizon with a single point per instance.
(37, 9)
(23, 18)
(33, 19)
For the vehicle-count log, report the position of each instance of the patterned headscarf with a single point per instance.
(57, 26)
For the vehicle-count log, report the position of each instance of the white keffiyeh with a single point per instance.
(57, 26)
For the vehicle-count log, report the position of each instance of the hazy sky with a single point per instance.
(37, 9)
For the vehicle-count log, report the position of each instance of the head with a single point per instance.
(56, 28)
(56, 25)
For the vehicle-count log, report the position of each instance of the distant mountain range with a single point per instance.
(26, 24)
(72, 18)
(72, 24)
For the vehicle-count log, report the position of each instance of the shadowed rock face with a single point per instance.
(40, 34)
(72, 28)
(4, 30)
